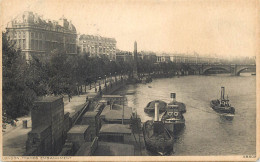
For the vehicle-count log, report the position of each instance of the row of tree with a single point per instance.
(24, 81)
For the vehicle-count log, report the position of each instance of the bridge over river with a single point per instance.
(233, 69)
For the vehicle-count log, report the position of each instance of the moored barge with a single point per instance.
(157, 138)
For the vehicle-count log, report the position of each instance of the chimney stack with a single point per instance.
(173, 96)
(156, 111)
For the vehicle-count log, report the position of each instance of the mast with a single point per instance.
(173, 96)
(222, 93)
(156, 111)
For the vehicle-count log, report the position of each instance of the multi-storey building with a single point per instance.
(98, 46)
(36, 36)
(124, 56)
(148, 56)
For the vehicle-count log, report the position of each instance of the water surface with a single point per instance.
(206, 132)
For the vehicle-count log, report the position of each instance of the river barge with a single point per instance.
(222, 106)
(151, 106)
(157, 138)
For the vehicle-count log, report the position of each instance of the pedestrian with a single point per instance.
(12, 122)
(69, 97)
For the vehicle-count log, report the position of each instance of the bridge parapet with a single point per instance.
(234, 69)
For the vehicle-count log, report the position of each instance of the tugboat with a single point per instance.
(150, 106)
(157, 138)
(222, 105)
(181, 106)
(173, 118)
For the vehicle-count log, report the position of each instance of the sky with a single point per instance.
(225, 28)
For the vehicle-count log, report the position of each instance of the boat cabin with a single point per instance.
(224, 102)
(172, 110)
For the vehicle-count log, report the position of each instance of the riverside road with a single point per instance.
(206, 132)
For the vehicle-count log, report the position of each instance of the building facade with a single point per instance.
(124, 56)
(148, 56)
(36, 36)
(97, 46)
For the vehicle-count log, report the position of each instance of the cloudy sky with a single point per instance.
(226, 28)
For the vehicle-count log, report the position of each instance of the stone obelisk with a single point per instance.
(135, 73)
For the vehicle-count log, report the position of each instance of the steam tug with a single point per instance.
(158, 139)
(222, 106)
(181, 106)
(173, 118)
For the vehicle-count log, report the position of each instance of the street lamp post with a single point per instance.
(115, 77)
(123, 114)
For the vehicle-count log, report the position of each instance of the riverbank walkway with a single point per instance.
(14, 137)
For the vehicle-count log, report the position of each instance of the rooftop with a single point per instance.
(117, 112)
(35, 20)
(115, 128)
(78, 129)
(90, 113)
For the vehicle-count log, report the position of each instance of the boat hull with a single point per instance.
(215, 105)
(160, 145)
(175, 128)
(148, 110)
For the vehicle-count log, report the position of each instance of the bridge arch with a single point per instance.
(238, 71)
(227, 69)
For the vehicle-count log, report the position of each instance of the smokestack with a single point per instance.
(156, 111)
(222, 93)
(173, 96)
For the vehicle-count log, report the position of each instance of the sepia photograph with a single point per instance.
(172, 80)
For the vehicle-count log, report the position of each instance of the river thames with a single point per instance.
(206, 132)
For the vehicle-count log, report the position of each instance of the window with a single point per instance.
(40, 45)
(36, 44)
(24, 42)
(19, 43)
(19, 35)
(32, 44)
(32, 35)
(23, 34)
